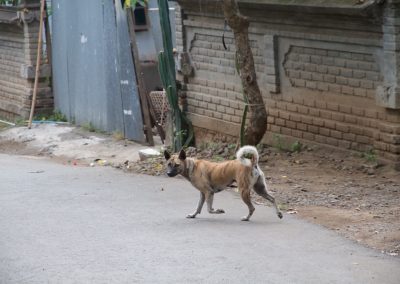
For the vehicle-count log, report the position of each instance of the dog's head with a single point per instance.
(175, 163)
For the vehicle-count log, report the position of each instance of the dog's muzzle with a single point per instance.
(172, 172)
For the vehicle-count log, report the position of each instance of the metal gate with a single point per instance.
(93, 71)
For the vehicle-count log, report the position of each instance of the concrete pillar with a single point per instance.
(388, 95)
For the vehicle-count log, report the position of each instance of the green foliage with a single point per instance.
(49, 9)
(88, 126)
(231, 147)
(10, 2)
(278, 142)
(180, 135)
(217, 158)
(183, 130)
(213, 146)
(284, 146)
(55, 116)
(132, 3)
(58, 116)
(369, 155)
(296, 147)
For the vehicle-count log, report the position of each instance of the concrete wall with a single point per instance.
(18, 49)
(329, 76)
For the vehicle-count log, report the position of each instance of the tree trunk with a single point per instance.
(244, 57)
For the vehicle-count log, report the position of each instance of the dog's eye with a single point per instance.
(169, 164)
(176, 165)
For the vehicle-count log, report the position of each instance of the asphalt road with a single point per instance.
(69, 224)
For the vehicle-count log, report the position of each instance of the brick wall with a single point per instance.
(342, 72)
(330, 78)
(18, 48)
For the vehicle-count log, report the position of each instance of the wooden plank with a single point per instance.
(38, 57)
(139, 79)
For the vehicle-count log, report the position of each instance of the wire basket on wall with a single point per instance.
(161, 106)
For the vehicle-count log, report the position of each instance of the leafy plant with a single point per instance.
(217, 158)
(296, 147)
(183, 129)
(180, 134)
(231, 147)
(278, 142)
(88, 126)
(58, 116)
(55, 116)
(369, 155)
(132, 3)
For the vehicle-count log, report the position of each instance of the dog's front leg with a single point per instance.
(210, 200)
(199, 206)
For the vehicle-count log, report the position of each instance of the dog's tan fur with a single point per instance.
(210, 178)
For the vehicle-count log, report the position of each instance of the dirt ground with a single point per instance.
(358, 199)
(353, 195)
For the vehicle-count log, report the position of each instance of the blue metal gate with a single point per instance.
(93, 72)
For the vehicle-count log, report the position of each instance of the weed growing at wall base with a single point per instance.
(88, 126)
(296, 147)
(56, 116)
(369, 155)
(278, 142)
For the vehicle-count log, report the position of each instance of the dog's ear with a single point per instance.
(182, 155)
(167, 155)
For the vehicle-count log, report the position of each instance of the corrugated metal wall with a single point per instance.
(93, 71)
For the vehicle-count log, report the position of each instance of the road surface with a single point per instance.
(72, 224)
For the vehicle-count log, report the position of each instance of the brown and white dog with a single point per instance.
(209, 178)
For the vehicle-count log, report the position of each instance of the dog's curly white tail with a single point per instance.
(248, 150)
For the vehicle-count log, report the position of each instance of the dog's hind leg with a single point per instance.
(210, 199)
(245, 193)
(260, 187)
(199, 206)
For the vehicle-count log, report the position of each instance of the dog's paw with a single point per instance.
(247, 218)
(216, 211)
(280, 215)
(191, 216)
